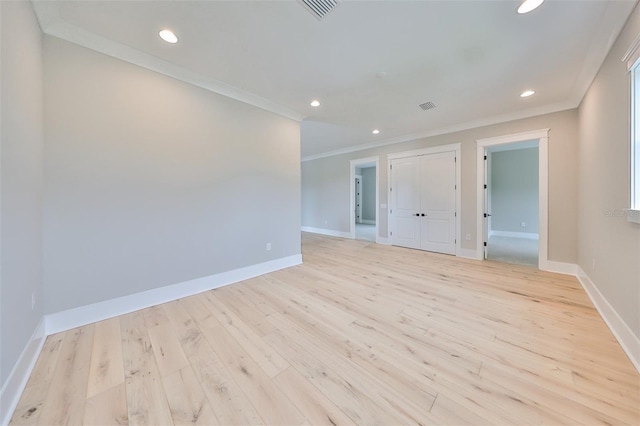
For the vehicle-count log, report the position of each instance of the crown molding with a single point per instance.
(533, 112)
(52, 24)
(600, 47)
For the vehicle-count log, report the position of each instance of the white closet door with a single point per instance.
(405, 196)
(438, 202)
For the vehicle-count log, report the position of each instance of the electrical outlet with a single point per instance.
(467, 237)
(326, 221)
(522, 224)
(33, 300)
(268, 246)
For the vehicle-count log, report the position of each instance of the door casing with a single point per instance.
(455, 147)
(543, 189)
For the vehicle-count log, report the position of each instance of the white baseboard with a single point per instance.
(559, 267)
(527, 235)
(83, 315)
(467, 254)
(630, 342)
(17, 380)
(368, 222)
(383, 240)
(329, 232)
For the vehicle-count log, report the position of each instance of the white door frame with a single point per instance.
(456, 147)
(543, 188)
(353, 164)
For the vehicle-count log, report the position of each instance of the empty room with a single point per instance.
(319, 212)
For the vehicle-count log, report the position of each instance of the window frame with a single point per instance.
(632, 58)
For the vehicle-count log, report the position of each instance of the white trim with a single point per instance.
(560, 267)
(19, 376)
(527, 235)
(424, 151)
(368, 222)
(467, 254)
(52, 24)
(562, 106)
(353, 164)
(83, 315)
(455, 147)
(515, 137)
(630, 342)
(634, 154)
(633, 215)
(632, 54)
(542, 136)
(329, 232)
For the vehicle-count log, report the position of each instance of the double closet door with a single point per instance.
(423, 202)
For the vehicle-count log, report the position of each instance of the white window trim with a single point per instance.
(632, 59)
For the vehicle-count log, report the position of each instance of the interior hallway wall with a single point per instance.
(514, 190)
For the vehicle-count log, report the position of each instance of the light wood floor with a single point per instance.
(361, 333)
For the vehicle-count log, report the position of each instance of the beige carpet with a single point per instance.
(521, 251)
(365, 232)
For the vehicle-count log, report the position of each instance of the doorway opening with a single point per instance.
(512, 198)
(363, 223)
(512, 203)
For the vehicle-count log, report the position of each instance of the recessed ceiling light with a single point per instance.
(528, 5)
(168, 36)
(375, 131)
(527, 93)
(315, 103)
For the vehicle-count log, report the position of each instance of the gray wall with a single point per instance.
(514, 190)
(368, 193)
(151, 181)
(325, 181)
(606, 236)
(21, 177)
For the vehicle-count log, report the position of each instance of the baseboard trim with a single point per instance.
(368, 222)
(19, 376)
(559, 267)
(329, 232)
(83, 315)
(630, 342)
(467, 254)
(527, 235)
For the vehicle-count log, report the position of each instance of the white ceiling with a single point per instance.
(471, 58)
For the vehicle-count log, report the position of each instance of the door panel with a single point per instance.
(438, 202)
(405, 196)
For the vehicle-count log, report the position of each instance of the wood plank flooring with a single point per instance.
(359, 334)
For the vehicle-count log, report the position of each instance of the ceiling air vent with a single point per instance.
(319, 8)
(427, 105)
